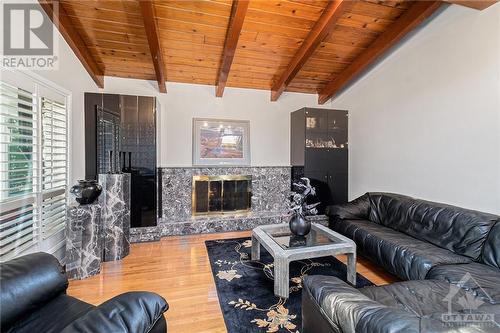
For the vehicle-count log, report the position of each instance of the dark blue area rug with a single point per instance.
(245, 287)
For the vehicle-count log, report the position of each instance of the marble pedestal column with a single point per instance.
(115, 205)
(84, 244)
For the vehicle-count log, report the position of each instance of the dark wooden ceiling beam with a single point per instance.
(238, 12)
(325, 24)
(149, 17)
(476, 4)
(412, 18)
(55, 11)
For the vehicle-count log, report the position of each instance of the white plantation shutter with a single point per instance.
(53, 213)
(18, 164)
(18, 231)
(54, 167)
(33, 166)
(18, 140)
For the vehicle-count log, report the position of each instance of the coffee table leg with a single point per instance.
(351, 268)
(281, 267)
(255, 249)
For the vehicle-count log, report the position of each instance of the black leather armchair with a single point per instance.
(33, 299)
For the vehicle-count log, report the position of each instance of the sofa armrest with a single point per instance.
(350, 311)
(27, 283)
(134, 312)
(358, 209)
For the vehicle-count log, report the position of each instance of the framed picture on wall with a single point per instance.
(221, 142)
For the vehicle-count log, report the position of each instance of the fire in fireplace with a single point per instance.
(221, 194)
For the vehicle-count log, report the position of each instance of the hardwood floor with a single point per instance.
(178, 269)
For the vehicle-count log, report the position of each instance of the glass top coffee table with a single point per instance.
(285, 247)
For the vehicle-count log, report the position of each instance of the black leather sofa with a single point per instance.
(448, 257)
(33, 299)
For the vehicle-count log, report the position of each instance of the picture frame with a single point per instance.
(223, 142)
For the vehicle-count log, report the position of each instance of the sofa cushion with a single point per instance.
(52, 316)
(400, 254)
(357, 209)
(421, 298)
(349, 311)
(410, 306)
(481, 280)
(432, 301)
(457, 229)
(491, 249)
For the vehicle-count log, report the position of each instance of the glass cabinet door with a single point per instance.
(316, 128)
(337, 129)
(326, 129)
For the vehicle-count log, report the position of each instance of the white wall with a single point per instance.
(269, 121)
(426, 120)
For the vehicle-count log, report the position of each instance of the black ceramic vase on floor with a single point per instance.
(86, 191)
(299, 225)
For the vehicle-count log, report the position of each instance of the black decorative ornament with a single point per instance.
(299, 209)
(86, 191)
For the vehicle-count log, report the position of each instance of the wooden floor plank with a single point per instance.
(178, 269)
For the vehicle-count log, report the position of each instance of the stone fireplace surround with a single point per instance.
(270, 189)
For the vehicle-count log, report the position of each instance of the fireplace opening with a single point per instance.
(221, 194)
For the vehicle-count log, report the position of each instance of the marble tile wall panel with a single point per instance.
(84, 243)
(270, 188)
(216, 224)
(224, 224)
(115, 203)
(144, 234)
(176, 193)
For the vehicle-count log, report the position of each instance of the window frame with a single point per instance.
(54, 243)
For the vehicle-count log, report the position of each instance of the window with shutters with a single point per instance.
(33, 167)
(18, 143)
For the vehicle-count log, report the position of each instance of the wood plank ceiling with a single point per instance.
(192, 37)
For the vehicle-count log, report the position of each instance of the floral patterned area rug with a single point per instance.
(245, 287)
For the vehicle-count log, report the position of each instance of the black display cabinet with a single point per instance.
(319, 151)
(120, 136)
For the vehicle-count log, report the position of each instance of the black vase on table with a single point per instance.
(299, 225)
(86, 191)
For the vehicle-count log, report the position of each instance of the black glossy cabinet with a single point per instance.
(319, 151)
(120, 136)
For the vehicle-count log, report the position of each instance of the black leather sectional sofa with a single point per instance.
(448, 258)
(33, 299)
